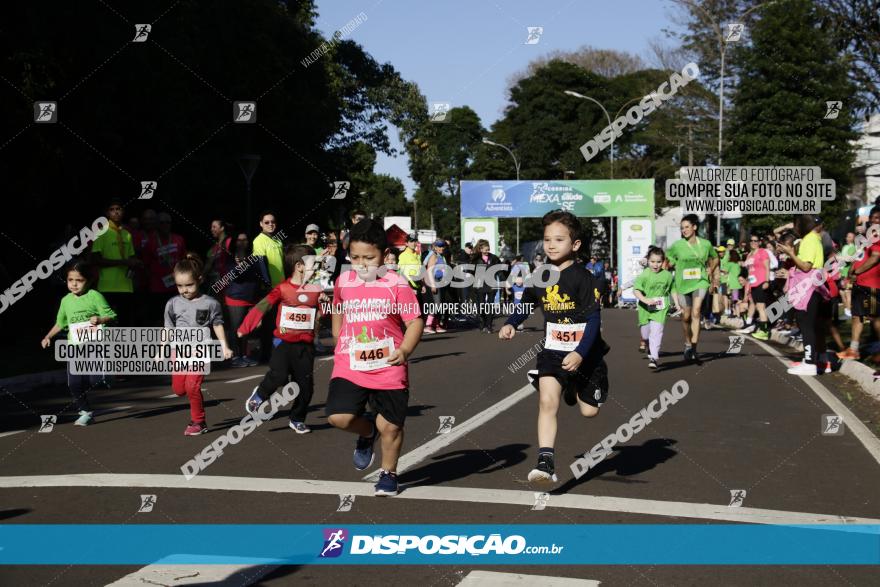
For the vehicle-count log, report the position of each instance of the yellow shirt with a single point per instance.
(810, 250)
(266, 246)
(409, 264)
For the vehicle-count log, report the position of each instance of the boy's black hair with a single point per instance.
(567, 219)
(370, 232)
(293, 254)
(265, 213)
(692, 218)
(114, 202)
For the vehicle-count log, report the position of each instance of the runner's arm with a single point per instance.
(411, 339)
(871, 262)
(591, 331)
(255, 316)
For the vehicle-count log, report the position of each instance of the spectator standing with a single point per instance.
(113, 252)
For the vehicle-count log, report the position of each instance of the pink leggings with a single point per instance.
(653, 333)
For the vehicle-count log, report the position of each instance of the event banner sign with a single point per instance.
(534, 198)
(634, 237)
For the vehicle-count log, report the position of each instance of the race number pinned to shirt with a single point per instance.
(564, 337)
(659, 303)
(691, 273)
(369, 356)
(79, 332)
(294, 318)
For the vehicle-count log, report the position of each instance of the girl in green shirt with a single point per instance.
(82, 310)
(652, 288)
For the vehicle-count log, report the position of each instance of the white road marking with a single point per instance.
(419, 454)
(244, 378)
(850, 420)
(219, 575)
(172, 396)
(10, 433)
(493, 579)
(649, 507)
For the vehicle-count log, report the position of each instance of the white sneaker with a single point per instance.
(803, 369)
(748, 329)
(847, 312)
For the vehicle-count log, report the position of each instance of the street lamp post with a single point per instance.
(515, 164)
(722, 49)
(607, 117)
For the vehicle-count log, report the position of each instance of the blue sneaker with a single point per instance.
(85, 418)
(249, 362)
(387, 485)
(363, 450)
(253, 402)
(299, 427)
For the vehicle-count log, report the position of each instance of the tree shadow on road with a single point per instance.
(629, 461)
(463, 463)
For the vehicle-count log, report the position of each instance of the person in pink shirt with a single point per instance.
(376, 325)
(758, 264)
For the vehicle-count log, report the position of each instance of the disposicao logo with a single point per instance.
(334, 542)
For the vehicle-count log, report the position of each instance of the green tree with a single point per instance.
(786, 76)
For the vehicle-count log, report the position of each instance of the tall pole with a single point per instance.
(516, 165)
(720, 133)
(607, 117)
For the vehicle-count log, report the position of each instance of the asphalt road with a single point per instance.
(744, 424)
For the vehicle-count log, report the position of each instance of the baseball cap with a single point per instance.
(730, 241)
(439, 243)
(312, 228)
(411, 237)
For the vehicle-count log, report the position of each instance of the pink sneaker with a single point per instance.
(429, 330)
(439, 330)
(195, 428)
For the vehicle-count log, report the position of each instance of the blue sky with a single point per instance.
(465, 51)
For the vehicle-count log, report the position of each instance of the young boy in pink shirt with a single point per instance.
(376, 325)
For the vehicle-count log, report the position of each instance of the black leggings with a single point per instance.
(236, 317)
(296, 359)
(486, 296)
(812, 325)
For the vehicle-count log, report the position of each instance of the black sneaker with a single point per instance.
(688, 353)
(387, 485)
(653, 364)
(545, 470)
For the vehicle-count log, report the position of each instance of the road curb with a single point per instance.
(858, 372)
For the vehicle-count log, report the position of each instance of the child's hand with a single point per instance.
(507, 332)
(93, 320)
(227, 352)
(572, 361)
(398, 357)
(46, 343)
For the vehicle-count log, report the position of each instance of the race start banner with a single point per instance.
(534, 198)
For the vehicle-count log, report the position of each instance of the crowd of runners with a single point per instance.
(794, 280)
(268, 298)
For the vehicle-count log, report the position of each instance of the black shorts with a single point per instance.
(865, 301)
(590, 381)
(345, 397)
(761, 295)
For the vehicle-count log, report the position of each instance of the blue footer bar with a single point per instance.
(477, 544)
